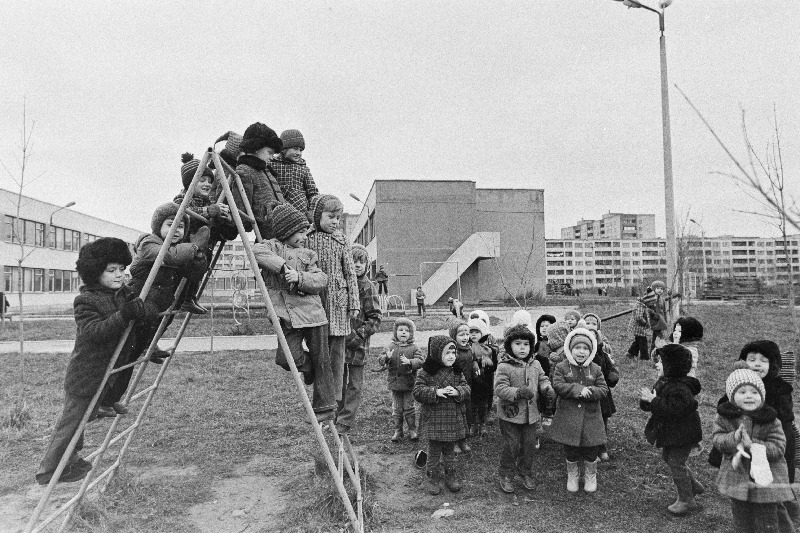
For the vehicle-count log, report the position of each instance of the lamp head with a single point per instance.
(70, 204)
(356, 198)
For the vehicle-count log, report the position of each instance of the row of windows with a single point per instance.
(32, 233)
(33, 280)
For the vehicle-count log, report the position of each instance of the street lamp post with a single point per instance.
(50, 225)
(669, 196)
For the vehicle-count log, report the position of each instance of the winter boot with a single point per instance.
(697, 487)
(434, 486)
(200, 238)
(398, 429)
(590, 475)
(412, 427)
(451, 481)
(793, 509)
(685, 501)
(192, 306)
(573, 474)
(506, 485)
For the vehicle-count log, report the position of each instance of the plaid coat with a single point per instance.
(364, 325)
(763, 426)
(443, 419)
(261, 189)
(639, 323)
(295, 179)
(341, 295)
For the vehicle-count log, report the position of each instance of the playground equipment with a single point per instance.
(391, 303)
(347, 459)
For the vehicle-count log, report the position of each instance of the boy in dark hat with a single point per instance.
(292, 173)
(102, 310)
(294, 282)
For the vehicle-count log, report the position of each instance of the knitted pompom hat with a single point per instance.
(744, 376)
(766, 348)
(436, 347)
(317, 206)
(95, 256)
(677, 360)
(521, 317)
(572, 313)
(518, 332)
(189, 167)
(691, 329)
(595, 316)
(401, 321)
(576, 336)
(293, 139)
(162, 213)
(232, 146)
(556, 335)
(477, 323)
(259, 135)
(286, 221)
(453, 325)
(480, 314)
(359, 252)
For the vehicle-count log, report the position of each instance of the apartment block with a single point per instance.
(613, 226)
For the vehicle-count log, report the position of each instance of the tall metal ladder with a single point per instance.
(347, 460)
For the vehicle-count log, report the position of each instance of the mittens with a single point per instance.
(214, 211)
(132, 310)
(525, 392)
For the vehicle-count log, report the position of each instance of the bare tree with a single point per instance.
(763, 179)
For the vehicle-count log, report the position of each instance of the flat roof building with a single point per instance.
(613, 226)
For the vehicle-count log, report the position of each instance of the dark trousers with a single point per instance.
(382, 288)
(421, 308)
(519, 447)
(74, 409)
(604, 447)
(336, 348)
(443, 449)
(317, 360)
(581, 453)
(676, 458)
(639, 345)
(352, 386)
(481, 397)
(749, 517)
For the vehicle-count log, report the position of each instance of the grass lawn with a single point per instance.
(225, 442)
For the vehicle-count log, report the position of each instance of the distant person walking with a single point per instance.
(4, 305)
(382, 278)
(420, 301)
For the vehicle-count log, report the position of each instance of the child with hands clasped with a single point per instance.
(484, 355)
(459, 333)
(578, 423)
(442, 390)
(753, 473)
(519, 382)
(402, 358)
(674, 423)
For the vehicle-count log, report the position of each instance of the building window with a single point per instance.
(9, 284)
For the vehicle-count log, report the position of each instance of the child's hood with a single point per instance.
(544, 318)
(433, 361)
(763, 415)
(453, 329)
(568, 351)
(677, 360)
(404, 322)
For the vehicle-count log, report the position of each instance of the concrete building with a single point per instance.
(48, 275)
(613, 226)
(451, 237)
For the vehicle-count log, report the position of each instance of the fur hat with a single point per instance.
(480, 325)
(480, 314)
(453, 325)
(259, 135)
(596, 317)
(232, 146)
(189, 167)
(516, 332)
(576, 336)
(95, 256)
(162, 213)
(677, 360)
(574, 313)
(401, 321)
(544, 318)
(317, 206)
(556, 335)
(691, 329)
(766, 348)
(293, 139)
(286, 221)
(359, 251)
(658, 284)
(436, 346)
(744, 376)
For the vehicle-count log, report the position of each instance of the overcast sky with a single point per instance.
(562, 96)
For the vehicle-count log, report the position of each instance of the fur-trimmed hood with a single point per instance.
(568, 351)
(401, 321)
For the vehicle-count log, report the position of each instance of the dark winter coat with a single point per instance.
(295, 180)
(578, 421)
(483, 380)
(364, 325)
(401, 377)
(261, 189)
(181, 260)
(611, 375)
(99, 326)
(674, 421)
(763, 427)
(443, 419)
(513, 373)
(467, 363)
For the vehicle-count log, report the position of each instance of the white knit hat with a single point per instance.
(744, 376)
(480, 325)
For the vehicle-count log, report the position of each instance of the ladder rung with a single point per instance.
(113, 441)
(124, 367)
(246, 216)
(142, 392)
(197, 216)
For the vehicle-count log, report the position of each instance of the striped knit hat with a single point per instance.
(744, 376)
(317, 206)
(293, 139)
(232, 142)
(189, 167)
(286, 221)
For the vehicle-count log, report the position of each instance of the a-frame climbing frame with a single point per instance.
(346, 459)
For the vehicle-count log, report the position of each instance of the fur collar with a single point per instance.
(692, 383)
(763, 415)
(252, 161)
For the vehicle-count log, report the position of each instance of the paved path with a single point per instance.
(263, 342)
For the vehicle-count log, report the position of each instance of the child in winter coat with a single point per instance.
(259, 143)
(639, 328)
(442, 390)
(103, 310)
(657, 309)
(578, 423)
(402, 358)
(362, 328)
(294, 282)
(292, 173)
(340, 298)
(593, 321)
(459, 333)
(611, 375)
(571, 319)
(556, 335)
(674, 423)
(688, 332)
(485, 356)
(753, 473)
(542, 348)
(519, 383)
